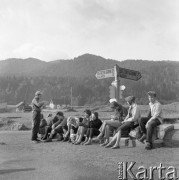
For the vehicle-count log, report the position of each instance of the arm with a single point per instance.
(157, 112)
(57, 123)
(135, 115)
(38, 104)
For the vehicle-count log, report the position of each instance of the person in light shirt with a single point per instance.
(129, 122)
(154, 119)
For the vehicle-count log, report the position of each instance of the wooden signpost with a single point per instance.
(118, 72)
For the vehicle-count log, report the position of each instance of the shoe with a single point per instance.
(65, 139)
(77, 143)
(148, 146)
(108, 145)
(115, 147)
(104, 144)
(60, 138)
(69, 140)
(142, 139)
(35, 141)
(48, 140)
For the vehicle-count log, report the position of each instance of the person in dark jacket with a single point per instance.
(49, 122)
(58, 127)
(93, 128)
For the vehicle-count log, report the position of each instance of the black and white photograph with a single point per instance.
(89, 89)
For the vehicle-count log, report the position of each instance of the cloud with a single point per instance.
(116, 29)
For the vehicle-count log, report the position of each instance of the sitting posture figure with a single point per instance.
(129, 122)
(43, 124)
(93, 128)
(111, 124)
(60, 127)
(50, 120)
(154, 119)
(83, 127)
(73, 124)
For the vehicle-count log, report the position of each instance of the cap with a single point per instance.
(38, 93)
(152, 93)
(130, 99)
(87, 111)
(112, 100)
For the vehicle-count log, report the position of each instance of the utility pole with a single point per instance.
(117, 82)
(71, 98)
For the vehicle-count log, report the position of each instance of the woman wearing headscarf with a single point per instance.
(129, 122)
(113, 123)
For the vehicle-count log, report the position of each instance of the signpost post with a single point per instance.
(118, 72)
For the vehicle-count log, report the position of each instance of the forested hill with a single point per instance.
(85, 65)
(19, 78)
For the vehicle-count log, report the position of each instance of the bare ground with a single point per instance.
(20, 159)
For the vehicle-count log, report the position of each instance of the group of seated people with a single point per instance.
(83, 130)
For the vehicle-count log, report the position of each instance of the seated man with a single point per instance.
(50, 120)
(154, 119)
(60, 127)
(43, 124)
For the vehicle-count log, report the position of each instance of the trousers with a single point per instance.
(150, 130)
(35, 124)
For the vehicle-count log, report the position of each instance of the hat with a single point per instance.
(87, 111)
(112, 100)
(152, 93)
(38, 93)
(59, 113)
(130, 99)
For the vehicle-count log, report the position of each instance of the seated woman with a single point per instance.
(83, 127)
(72, 124)
(93, 128)
(113, 123)
(129, 122)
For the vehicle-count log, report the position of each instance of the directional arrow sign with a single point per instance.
(105, 73)
(128, 74)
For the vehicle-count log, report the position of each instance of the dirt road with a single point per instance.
(20, 159)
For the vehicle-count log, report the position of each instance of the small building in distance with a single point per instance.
(22, 106)
(55, 103)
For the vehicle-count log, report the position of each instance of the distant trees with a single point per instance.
(56, 79)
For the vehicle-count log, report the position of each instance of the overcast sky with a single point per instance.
(115, 29)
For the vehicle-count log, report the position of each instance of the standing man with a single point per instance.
(36, 106)
(154, 119)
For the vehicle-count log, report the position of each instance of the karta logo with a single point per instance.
(143, 173)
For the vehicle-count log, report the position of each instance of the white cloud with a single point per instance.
(118, 29)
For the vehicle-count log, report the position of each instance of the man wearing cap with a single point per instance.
(36, 107)
(154, 119)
